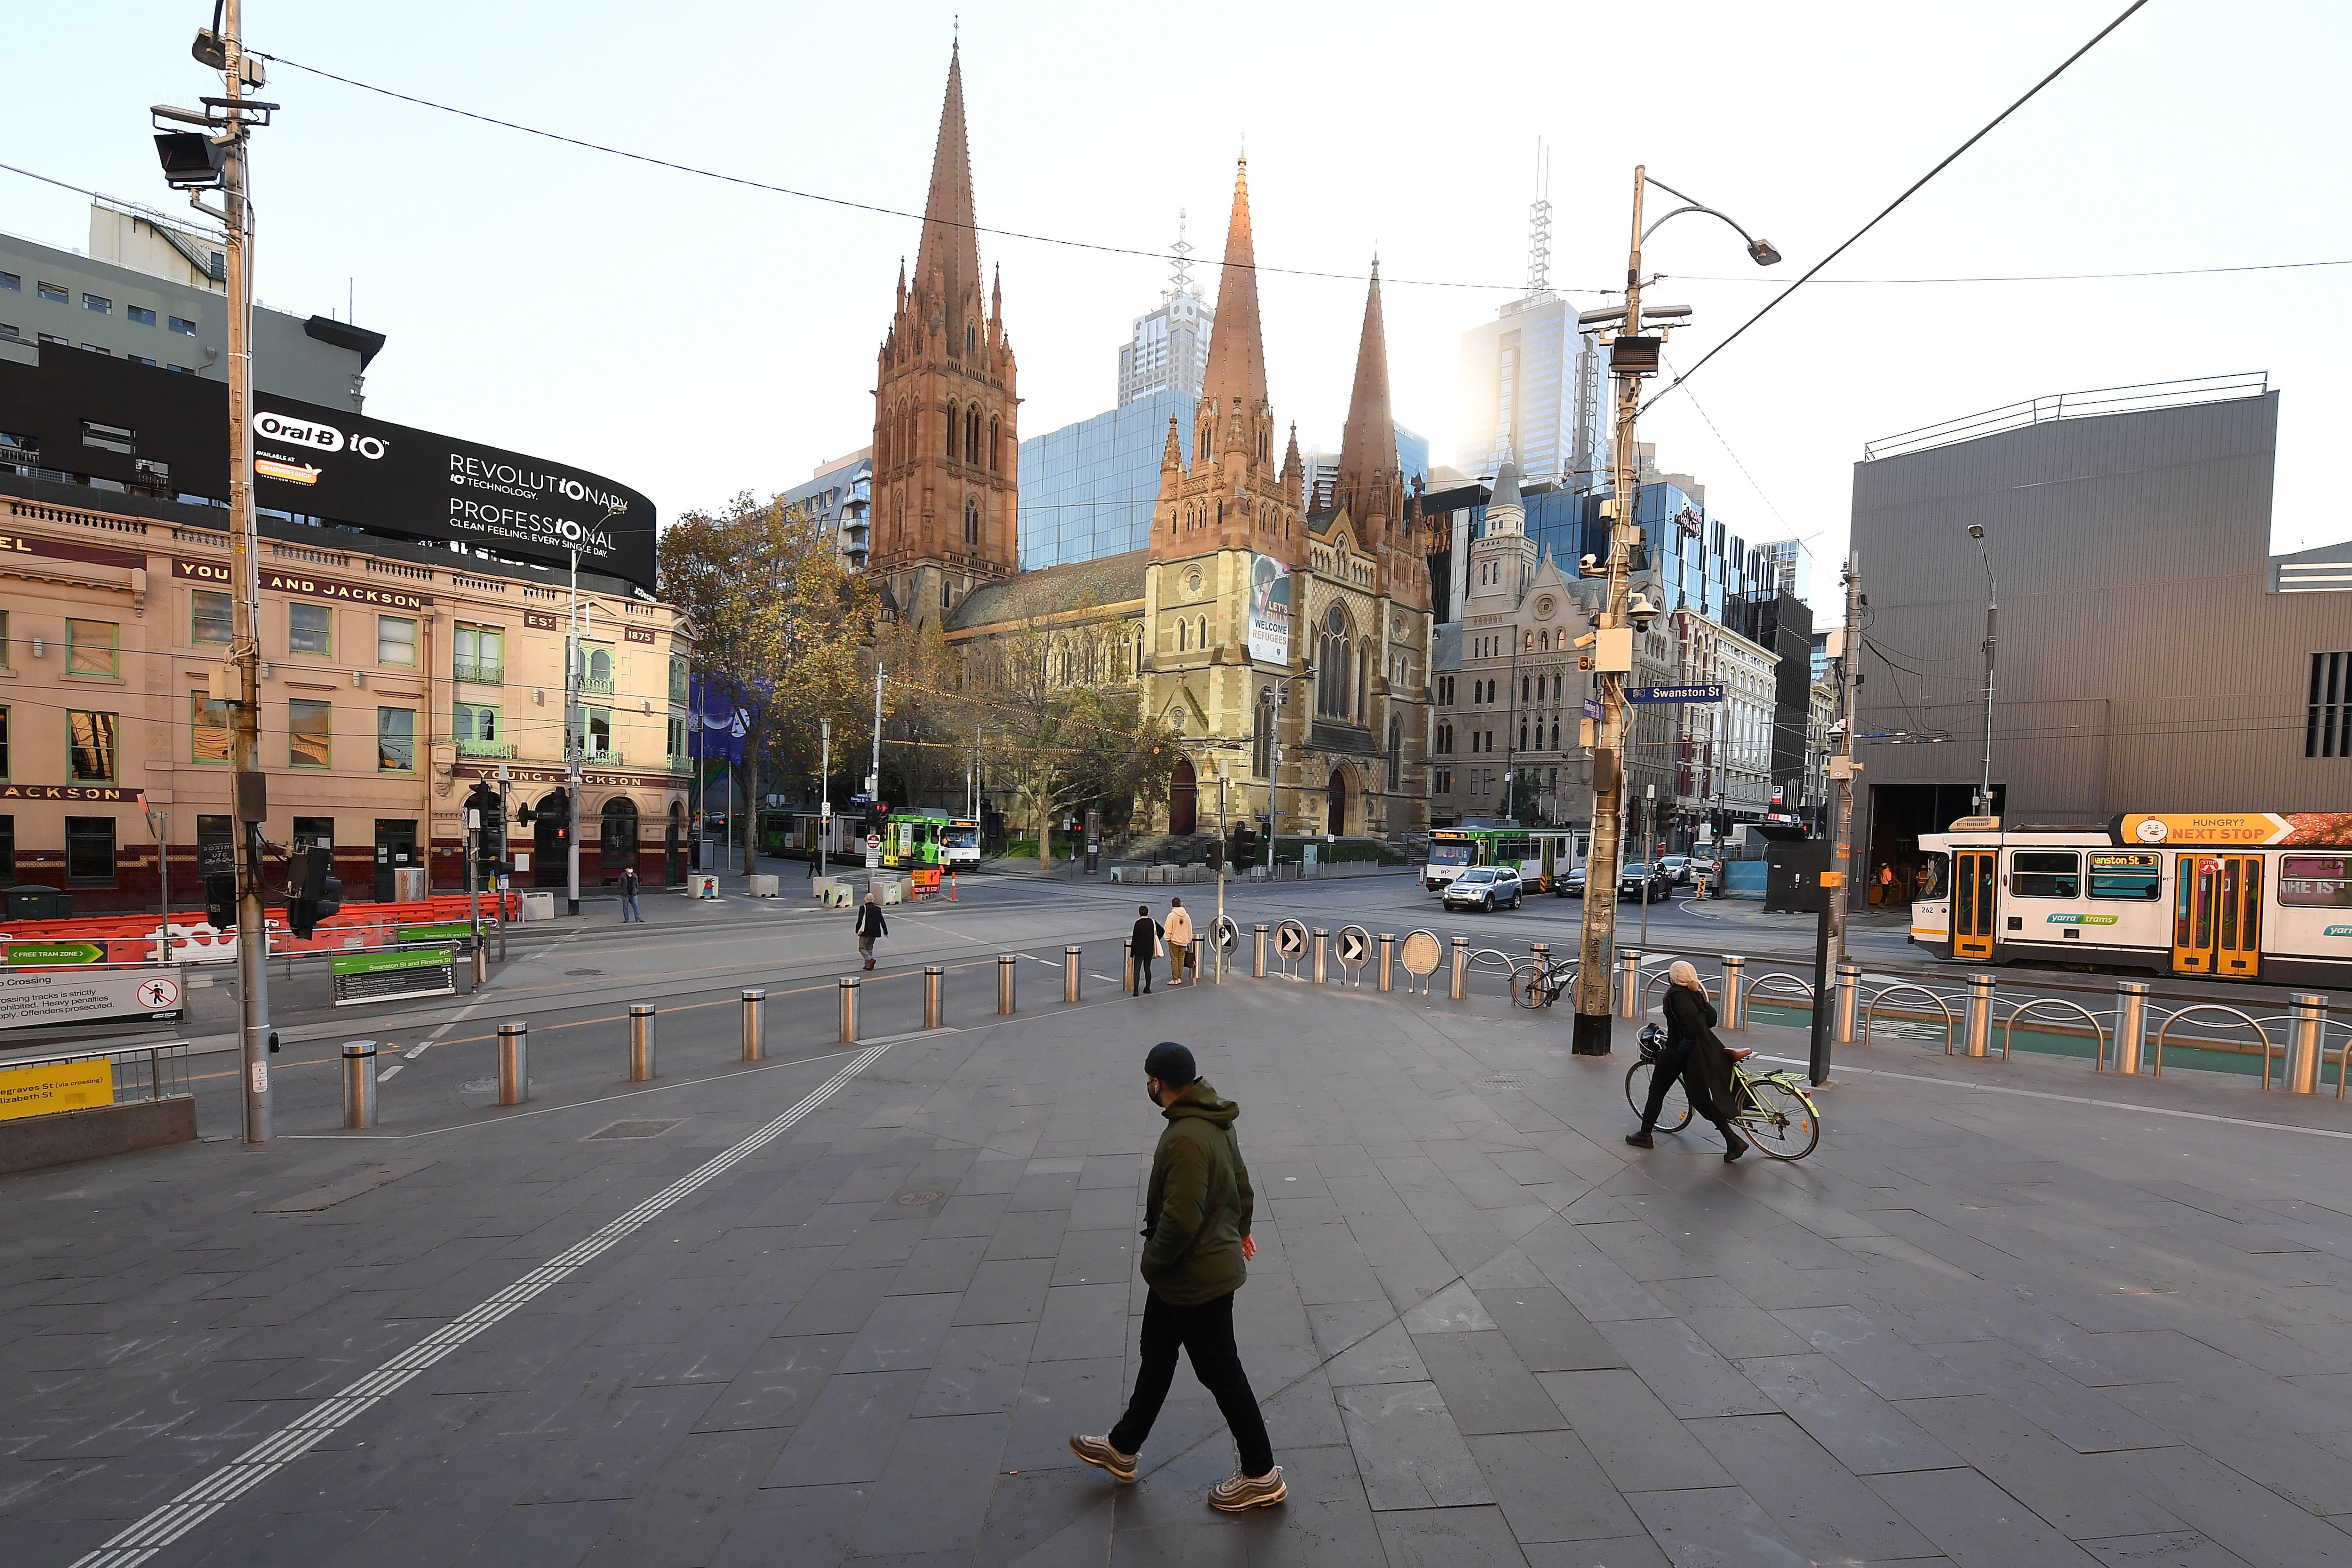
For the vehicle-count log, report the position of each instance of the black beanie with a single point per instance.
(1172, 1063)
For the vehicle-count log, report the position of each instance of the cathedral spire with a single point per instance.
(1235, 376)
(951, 245)
(1367, 480)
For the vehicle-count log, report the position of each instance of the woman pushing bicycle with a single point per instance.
(1692, 1054)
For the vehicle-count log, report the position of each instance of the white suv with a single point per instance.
(1486, 888)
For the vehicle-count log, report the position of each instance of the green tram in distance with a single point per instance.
(794, 835)
(1542, 856)
(926, 838)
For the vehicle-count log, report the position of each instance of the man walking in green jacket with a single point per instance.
(1196, 1225)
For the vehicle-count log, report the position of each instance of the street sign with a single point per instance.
(1711, 692)
(1228, 934)
(1420, 954)
(873, 850)
(1290, 939)
(1353, 947)
(1592, 710)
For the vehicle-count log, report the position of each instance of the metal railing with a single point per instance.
(2071, 405)
(497, 749)
(2099, 1035)
(164, 1073)
(1870, 1009)
(480, 671)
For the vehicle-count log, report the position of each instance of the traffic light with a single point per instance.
(313, 893)
(220, 902)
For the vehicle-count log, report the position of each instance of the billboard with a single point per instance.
(158, 432)
(1269, 609)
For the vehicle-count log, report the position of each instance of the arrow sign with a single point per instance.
(1290, 939)
(1229, 935)
(1355, 945)
(1710, 692)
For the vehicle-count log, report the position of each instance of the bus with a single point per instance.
(1542, 856)
(924, 838)
(2222, 895)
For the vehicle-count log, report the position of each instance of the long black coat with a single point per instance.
(1690, 1027)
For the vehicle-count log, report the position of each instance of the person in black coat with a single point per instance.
(870, 925)
(1693, 1055)
(1143, 945)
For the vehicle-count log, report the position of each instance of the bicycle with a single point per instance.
(1774, 1108)
(1539, 985)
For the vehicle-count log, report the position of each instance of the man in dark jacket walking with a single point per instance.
(1196, 1225)
(1142, 946)
(870, 925)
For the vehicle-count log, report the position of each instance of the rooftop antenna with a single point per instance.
(1180, 279)
(1540, 229)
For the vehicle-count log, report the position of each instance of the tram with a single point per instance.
(2227, 895)
(1542, 856)
(923, 838)
(796, 834)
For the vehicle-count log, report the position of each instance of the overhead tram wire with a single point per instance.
(1948, 159)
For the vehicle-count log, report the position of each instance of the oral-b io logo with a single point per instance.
(317, 437)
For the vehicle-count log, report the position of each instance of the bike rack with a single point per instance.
(1564, 974)
(1763, 980)
(1870, 1008)
(2166, 1027)
(2098, 1032)
(2324, 1025)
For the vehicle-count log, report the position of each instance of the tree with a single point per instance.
(778, 622)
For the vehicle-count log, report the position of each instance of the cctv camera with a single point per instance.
(1642, 611)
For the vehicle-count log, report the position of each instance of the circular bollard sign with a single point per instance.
(1421, 953)
(1229, 935)
(1354, 945)
(1290, 939)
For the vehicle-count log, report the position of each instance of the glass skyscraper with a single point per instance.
(1087, 489)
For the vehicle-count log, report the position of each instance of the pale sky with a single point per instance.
(693, 339)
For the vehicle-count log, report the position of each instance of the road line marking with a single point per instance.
(140, 1541)
(2074, 1099)
(387, 1072)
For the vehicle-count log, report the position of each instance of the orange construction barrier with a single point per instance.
(139, 938)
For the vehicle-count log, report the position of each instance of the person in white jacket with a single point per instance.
(1178, 930)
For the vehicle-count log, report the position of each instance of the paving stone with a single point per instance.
(1487, 1388)
(1630, 1431)
(1545, 1331)
(1683, 1369)
(778, 1386)
(1972, 1522)
(1819, 1507)
(1869, 1436)
(976, 1371)
(1720, 1524)
(1407, 1448)
(1550, 1488)
(900, 1332)
(849, 1431)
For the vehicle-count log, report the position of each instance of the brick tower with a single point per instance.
(946, 480)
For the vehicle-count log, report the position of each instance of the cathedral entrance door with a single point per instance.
(1338, 824)
(1183, 800)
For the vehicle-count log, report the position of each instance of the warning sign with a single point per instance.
(60, 1086)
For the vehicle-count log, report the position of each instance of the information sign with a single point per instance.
(56, 1086)
(1711, 691)
(42, 998)
(390, 976)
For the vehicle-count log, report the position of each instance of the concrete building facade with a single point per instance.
(840, 495)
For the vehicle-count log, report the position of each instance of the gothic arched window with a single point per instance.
(972, 522)
(995, 464)
(971, 339)
(1334, 664)
(972, 436)
(955, 424)
(1396, 754)
(1201, 632)
(1184, 637)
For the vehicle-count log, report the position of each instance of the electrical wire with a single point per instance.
(2026, 277)
(1949, 158)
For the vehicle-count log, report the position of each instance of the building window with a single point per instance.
(2327, 726)
(142, 314)
(311, 628)
(3, 634)
(1396, 754)
(971, 523)
(395, 739)
(89, 851)
(395, 640)
(211, 616)
(310, 734)
(207, 729)
(98, 303)
(995, 465)
(955, 427)
(56, 293)
(11, 282)
(181, 324)
(3, 772)
(481, 655)
(972, 436)
(480, 730)
(600, 732)
(141, 359)
(92, 649)
(677, 680)
(92, 740)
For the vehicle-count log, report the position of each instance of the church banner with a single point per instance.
(1269, 608)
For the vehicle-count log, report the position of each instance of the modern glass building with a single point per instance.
(1697, 562)
(1087, 489)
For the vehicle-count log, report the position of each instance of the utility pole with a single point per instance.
(1829, 942)
(1595, 967)
(573, 743)
(824, 790)
(1992, 613)
(873, 768)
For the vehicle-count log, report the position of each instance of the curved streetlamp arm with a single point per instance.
(1696, 207)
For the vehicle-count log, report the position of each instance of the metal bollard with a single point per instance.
(1541, 952)
(1126, 981)
(1980, 1025)
(850, 1009)
(481, 964)
(1322, 948)
(1070, 974)
(2131, 1024)
(1849, 996)
(1630, 1003)
(641, 1043)
(1735, 1004)
(1196, 950)
(2305, 1034)
(1257, 965)
(359, 1083)
(514, 1063)
(1460, 991)
(1388, 956)
(752, 1010)
(932, 976)
(1004, 962)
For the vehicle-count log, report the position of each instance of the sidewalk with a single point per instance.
(2053, 1322)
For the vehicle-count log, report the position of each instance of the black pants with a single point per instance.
(1206, 1332)
(1143, 988)
(1682, 1064)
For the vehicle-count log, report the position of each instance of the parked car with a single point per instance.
(1570, 886)
(1638, 874)
(1676, 867)
(1485, 887)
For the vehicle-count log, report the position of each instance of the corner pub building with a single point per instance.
(414, 598)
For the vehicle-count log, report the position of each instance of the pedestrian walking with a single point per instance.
(870, 925)
(1179, 932)
(1693, 1055)
(1197, 1246)
(629, 911)
(816, 853)
(1142, 947)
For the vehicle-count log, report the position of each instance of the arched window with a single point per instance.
(972, 436)
(1201, 632)
(618, 847)
(971, 339)
(899, 523)
(1396, 754)
(1334, 667)
(1201, 442)
(1262, 754)
(1184, 635)
(955, 426)
(600, 669)
(995, 464)
(971, 521)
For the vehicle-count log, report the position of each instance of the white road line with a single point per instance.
(139, 1542)
(2073, 1099)
(387, 1072)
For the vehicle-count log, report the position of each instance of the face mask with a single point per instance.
(1148, 1094)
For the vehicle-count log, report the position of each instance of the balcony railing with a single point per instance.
(597, 686)
(681, 762)
(610, 757)
(500, 750)
(482, 672)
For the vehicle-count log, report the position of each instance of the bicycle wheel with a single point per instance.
(1528, 988)
(1673, 1112)
(1781, 1124)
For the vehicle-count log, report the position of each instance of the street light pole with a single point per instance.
(1992, 612)
(574, 743)
(1829, 945)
